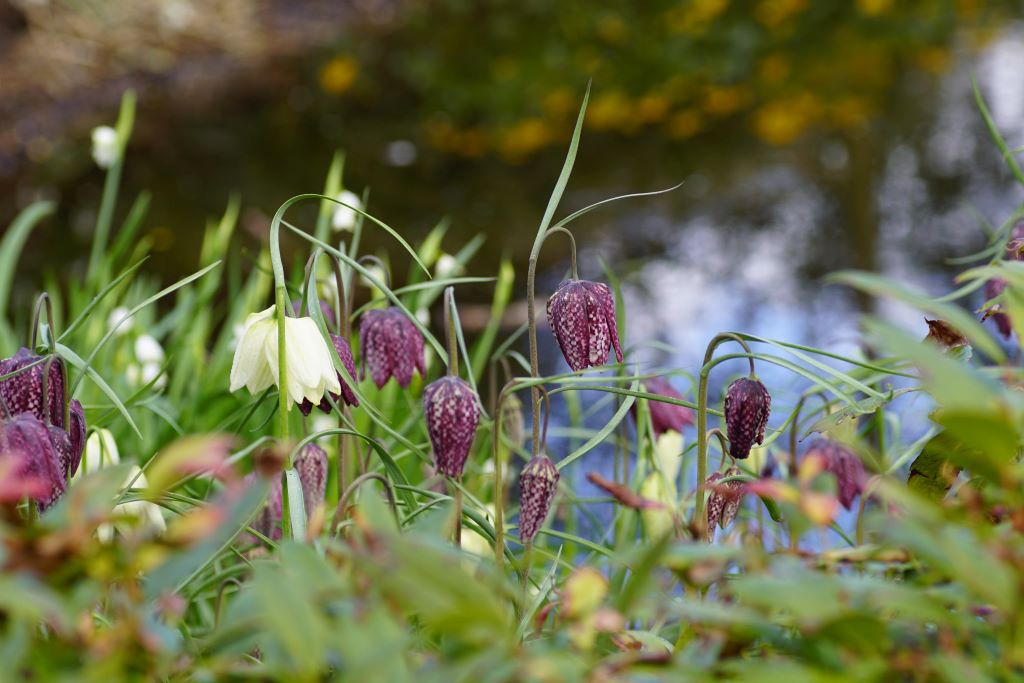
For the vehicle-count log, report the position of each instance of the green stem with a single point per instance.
(698, 521)
(531, 314)
(457, 494)
(451, 335)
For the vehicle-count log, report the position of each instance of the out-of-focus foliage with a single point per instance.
(923, 582)
(683, 67)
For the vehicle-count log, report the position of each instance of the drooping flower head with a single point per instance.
(311, 464)
(994, 288)
(665, 416)
(582, 316)
(25, 438)
(76, 432)
(390, 345)
(747, 404)
(844, 464)
(310, 371)
(344, 352)
(724, 501)
(537, 485)
(452, 412)
(24, 391)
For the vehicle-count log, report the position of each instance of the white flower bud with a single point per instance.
(105, 147)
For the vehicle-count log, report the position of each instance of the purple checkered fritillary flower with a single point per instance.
(390, 345)
(537, 485)
(452, 412)
(842, 462)
(31, 442)
(24, 391)
(747, 404)
(311, 464)
(582, 316)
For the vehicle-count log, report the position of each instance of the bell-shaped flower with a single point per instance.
(452, 412)
(105, 147)
(844, 464)
(665, 416)
(137, 515)
(994, 288)
(310, 372)
(344, 217)
(724, 501)
(29, 442)
(537, 485)
(582, 316)
(747, 405)
(344, 352)
(311, 464)
(100, 451)
(23, 392)
(390, 345)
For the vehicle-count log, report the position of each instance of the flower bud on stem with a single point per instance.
(699, 521)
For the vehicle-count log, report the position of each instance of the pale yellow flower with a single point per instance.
(310, 370)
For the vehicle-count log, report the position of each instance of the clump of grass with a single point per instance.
(267, 565)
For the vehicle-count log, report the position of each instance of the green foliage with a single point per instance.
(922, 582)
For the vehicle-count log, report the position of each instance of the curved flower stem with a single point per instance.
(794, 539)
(723, 443)
(698, 521)
(356, 483)
(380, 264)
(44, 301)
(572, 249)
(451, 336)
(531, 314)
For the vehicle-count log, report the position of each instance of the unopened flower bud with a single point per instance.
(452, 412)
(747, 404)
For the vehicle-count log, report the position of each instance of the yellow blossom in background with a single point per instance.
(338, 75)
(933, 59)
(524, 138)
(611, 28)
(849, 112)
(691, 17)
(651, 108)
(684, 124)
(781, 122)
(724, 100)
(873, 7)
(773, 69)
(773, 13)
(608, 110)
(560, 101)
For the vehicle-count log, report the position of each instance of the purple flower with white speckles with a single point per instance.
(268, 520)
(724, 501)
(344, 352)
(76, 433)
(665, 416)
(31, 442)
(390, 345)
(747, 404)
(24, 391)
(582, 316)
(537, 485)
(842, 462)
(452, 411)
(311, 464)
